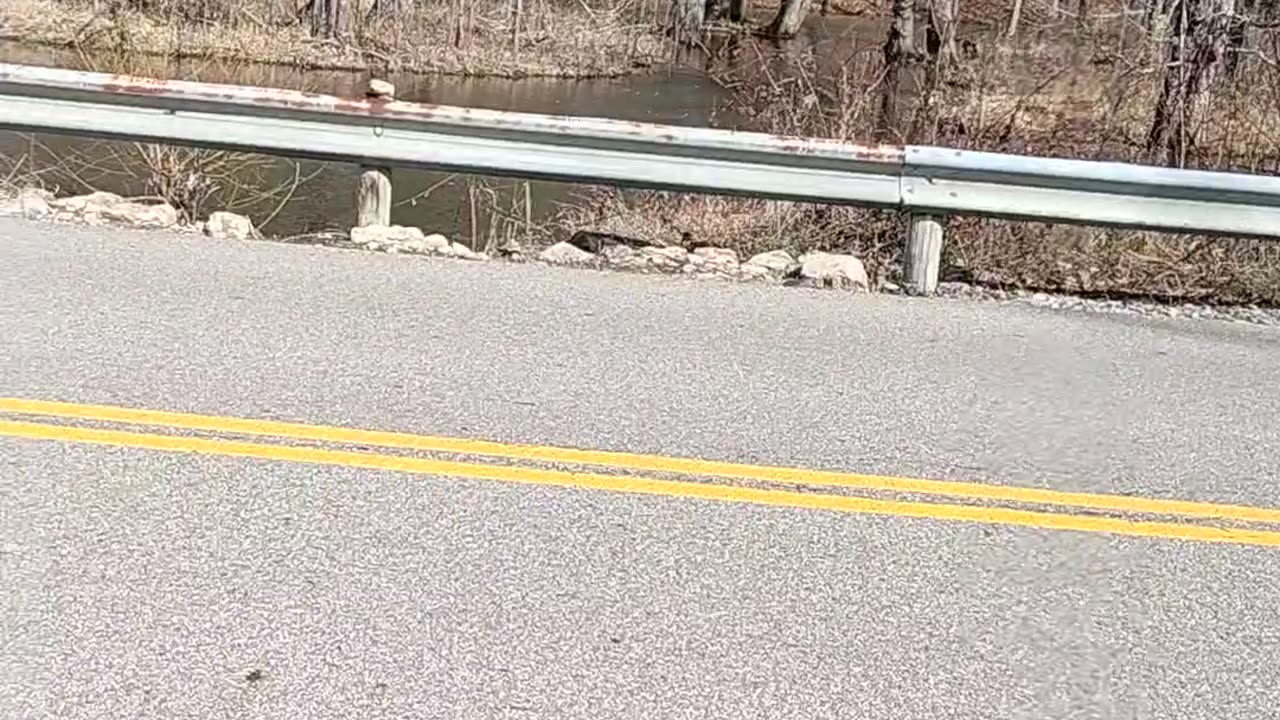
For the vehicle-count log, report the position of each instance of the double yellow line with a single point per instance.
(1085, 512)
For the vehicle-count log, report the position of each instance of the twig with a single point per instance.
(427, 193)
(298, 181)
(254, 18)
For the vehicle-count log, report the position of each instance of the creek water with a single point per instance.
(683, 96)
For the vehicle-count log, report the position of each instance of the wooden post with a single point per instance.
(373, 202)
(923, 257)
(373, 197)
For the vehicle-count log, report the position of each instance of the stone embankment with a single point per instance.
(814, 269)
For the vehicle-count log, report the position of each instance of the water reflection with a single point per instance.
(681, 97)
(327, 200)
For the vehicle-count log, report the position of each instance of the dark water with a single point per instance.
(326, 200)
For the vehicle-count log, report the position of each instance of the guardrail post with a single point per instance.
(373, 198)
(923, 257)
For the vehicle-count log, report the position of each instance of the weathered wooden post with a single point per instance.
(923, 257)
(373, 198)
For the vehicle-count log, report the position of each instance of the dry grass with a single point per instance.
(1096, 101)
(1089, 94)
(564, 39)
(768, 100)
(1094, 261)
(194, 181)
(746, 225)
(500, 215)
(25, 171)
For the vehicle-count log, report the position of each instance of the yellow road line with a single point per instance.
(643, 463)
(639, 485)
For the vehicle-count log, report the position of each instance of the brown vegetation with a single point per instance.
(511, 38)
(193, 181)
(1188, 83)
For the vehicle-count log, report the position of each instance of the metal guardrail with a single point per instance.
(379, 131)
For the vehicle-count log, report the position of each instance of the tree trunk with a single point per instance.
(1236, 37)
(789, 18)
(687, 17)
(902, 28)
(1194, 60)
(1238, 40)
(330, 19)
(388, 8)
(940, 36)
(739, 9)
(517, 16)
(1014, 18)
(1154, 17)
(899, 50)
(1082, 13)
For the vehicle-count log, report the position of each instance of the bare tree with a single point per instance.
(1155, 18)
(687, 18)
(789, 19)
(1243, 29)
(1014, 18)
(331, 18)
(899, 51)
(1194, 60)
(517, 14)
(739, 9)
(389, 8)
(940, 34)
(463, 14)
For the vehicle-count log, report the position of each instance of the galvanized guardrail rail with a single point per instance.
(380, 132)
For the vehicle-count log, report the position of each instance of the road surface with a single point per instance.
(270, 481)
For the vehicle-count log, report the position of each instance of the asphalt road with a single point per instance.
(142, 583)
